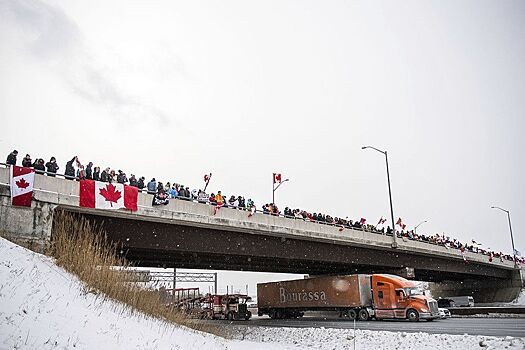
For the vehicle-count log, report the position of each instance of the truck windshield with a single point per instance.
(413, 291)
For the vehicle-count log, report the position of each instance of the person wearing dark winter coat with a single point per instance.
(121, 177)
(140, 183)
(26, 162)
(104, 176)
(89, 171)
(70, 170)
(96, 174)
(52, 167)
(11, 158)
(39, 166)
(133, 181)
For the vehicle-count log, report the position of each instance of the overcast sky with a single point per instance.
(175, 89)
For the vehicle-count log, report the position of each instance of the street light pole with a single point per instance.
(275, 189)
(510, 229)
(422, 222)
(394, 235)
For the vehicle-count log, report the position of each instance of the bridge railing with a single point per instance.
(341, 227)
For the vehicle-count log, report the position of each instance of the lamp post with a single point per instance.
(394, 236)
(275, 189)
(510, 228)
(422, 222)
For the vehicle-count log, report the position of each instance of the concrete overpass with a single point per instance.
(184, 234)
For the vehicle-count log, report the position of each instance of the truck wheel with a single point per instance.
(363, 315)
(352, 314)
(412, 315)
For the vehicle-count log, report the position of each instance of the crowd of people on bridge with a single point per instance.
(162, 193)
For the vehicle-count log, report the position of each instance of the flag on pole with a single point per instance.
(22, 180)
(362, 221)
(103, 195)
(381, 221)
(276, 178)
(206, 178)
(517, 252)
(400, 223)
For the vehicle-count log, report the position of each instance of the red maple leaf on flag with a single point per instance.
(109, 194)
(22, 183)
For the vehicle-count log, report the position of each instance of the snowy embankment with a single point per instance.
(44, 307)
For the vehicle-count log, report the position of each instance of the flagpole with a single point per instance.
(273, 189)
(207, 182)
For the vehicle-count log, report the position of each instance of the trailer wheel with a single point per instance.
(412, 315)
(363, 315)
(352, 314)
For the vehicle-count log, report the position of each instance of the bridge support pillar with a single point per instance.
(483, 291)
(30, 227)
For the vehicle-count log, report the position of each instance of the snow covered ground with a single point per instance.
(44, 307)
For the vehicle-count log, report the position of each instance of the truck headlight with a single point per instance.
(424, 310)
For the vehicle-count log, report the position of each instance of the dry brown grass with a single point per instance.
(83, 250)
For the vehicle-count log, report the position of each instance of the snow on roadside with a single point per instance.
(342, 339)
(43, 307)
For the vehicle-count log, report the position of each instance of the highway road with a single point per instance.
(499, 327)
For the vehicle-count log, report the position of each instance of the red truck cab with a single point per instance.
(396, 297)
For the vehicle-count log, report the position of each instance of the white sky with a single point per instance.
(175, 89)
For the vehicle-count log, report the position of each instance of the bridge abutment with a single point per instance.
(483, 291)
(30, 227)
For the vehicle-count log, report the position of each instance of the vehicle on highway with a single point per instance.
(217, 307)
(360, 296)
(444, 313)
(461, 301)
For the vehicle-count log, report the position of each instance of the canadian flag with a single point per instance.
(22, 180)
(103, 195)
(381, 221)
(276, 178)
(400, 223)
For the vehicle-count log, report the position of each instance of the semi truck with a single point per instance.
(360, 296)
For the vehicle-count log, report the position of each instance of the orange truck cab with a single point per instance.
(396, 297)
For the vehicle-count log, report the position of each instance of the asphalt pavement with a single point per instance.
(499, 327)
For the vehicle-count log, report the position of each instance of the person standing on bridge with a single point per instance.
(152, 186)
(39, 166)
(70, 170)
(52, 167)
(11, 158)
(89, 171)
(96, 173)
(26, 162)
(140, 183)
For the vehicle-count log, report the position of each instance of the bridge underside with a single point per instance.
(154, 244)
